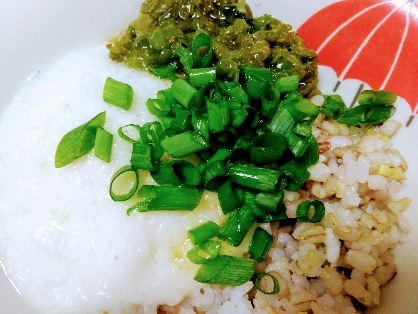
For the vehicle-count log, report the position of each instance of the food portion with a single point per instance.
(256, 161)
(65, 244)
(239, 39)
(226, 185)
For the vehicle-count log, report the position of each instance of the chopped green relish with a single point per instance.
(238, 40)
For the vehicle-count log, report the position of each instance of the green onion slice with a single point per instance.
(130, 133)
(79, 141)
(177, 172)
(269, 201)
(366, 114)
(287, 84)
(377, 97)
(185, 57)
(204, 232)
(296, 173)
(227, 198)
(118, 93)
(299, 108)
(226, 270)
(158, 107)
(269, 101)
(202, 49)
(237, 226)
(274, 282)
(184, 144)
(282, 122)
(333, 106)
(103, 144)
(124, 183)
(202, 76)
(214, 174)
(267, 148)
(260, 244)
(142, 156)
(166, 71)
(218, 115)
(154, 197)
(254, 80)
(312, 211)
(257, 178)
(202, 253)
(183, 92)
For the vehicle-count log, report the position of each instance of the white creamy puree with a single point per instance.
(64, 243)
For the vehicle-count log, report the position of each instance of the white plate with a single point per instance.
(33, 33)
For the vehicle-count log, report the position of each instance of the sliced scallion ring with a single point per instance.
(122, 180)
(130, 133)
(226, 270)
(203, 232)
(275, 282)
(312, 211)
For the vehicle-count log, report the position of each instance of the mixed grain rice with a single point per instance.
(339, 264)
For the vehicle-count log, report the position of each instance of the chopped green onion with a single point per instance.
(201, 125)
(366, 114)
(214, 174)
(227, 198)
(297, 144)
(235, 92)
(166, 71)
(218, 115)
(202, 49)
(155, 197)
(126, 178)
(311, 155)
(238, 113)
(183, 92)
(269, 101)
(269, 201)
(220, 155)
(202, 76)
(275, 283)
(261, 179)
(182, 120)
(118, 93)
(296, 173)
(287, 84)
(130, 133)
(299, 108)
(237, 225)
(312, 211)
(177, 172)
(185, 57)
(377, 97)
(226, 270)
(279, 215)
(143, 156)
(78, 142)
(333, 106)
(260, 244)
(103, 144)
(202, 253)
(254, 80)
(158, 107)
(304, 128)
(184, 144)
(267, 148)
(282, 122)
(241, 149)
(203, 232)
